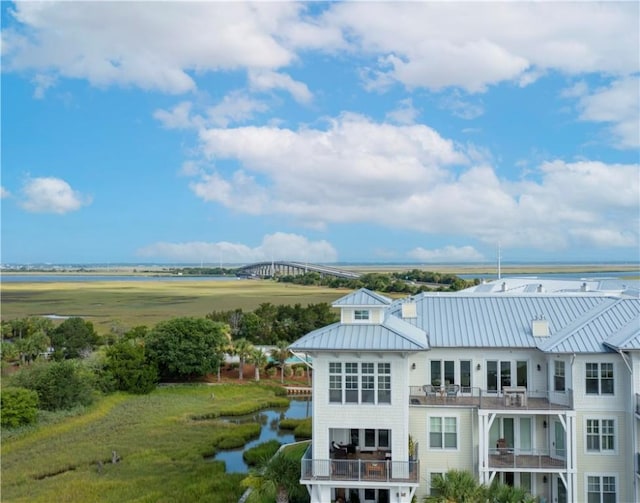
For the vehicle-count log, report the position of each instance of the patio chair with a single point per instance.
(429, 390)
(452, 391)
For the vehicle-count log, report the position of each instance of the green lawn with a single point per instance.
(164, 448)
(131, 303)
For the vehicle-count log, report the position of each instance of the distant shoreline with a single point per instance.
(483, 269)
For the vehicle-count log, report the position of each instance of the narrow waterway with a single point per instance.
(299, 408)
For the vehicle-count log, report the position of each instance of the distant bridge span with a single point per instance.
(268, 269)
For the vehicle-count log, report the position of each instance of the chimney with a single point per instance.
(540, 327)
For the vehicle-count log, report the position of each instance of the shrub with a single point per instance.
(59, 385)
(18, 406)
(130, 369)
(254, 455)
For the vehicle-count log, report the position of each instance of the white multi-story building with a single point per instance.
(532, 387)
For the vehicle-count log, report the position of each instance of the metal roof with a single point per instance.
(496, 320)
(362, 297)
(392, 335)
(534, 284)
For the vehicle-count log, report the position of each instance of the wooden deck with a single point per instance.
(485, 402)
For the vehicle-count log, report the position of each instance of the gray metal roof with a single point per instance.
(496, 320)
(392, 335)
(627, 338)
(532, 284)
(362, 297)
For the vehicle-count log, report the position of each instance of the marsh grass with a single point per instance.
(131, 303)
(165, 454)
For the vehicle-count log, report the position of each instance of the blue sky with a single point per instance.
(427, 132)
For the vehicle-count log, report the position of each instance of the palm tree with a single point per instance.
(503, 493)
(277, 477)
(259, 359)
(280, 354)
(455, 486)
(226, 348)
(243, 349)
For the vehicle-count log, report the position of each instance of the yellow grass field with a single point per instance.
(132, 303)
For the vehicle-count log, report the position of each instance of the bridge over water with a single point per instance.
(282, 268)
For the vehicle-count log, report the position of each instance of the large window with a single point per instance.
(558, 375)
(601, 489)
(443, 432)
(443, 372)
(600, 435)
(599, 378)
(353, 382)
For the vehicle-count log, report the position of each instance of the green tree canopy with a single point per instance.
(59, 385)
(277, 477)
(187, 347)
(74, 338)
(131, 370)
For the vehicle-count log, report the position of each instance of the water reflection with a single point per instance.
(269, 419)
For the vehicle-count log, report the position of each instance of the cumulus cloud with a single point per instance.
(410, 177)
(148, 45)
(404, 113)
(51, 195)
(616, 104)
(453, 254)
(474, 45)
(264, 80)
(277, 246)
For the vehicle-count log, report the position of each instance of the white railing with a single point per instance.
(354, 470)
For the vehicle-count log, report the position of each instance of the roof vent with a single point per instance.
(540, 327)
(540, 289)
(409, 310)
(504, 286)
(584, 287)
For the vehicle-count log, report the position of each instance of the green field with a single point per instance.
(164, 448)
(131, 303)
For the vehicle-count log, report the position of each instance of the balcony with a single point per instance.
(517, 399)
(364, 467)
(506, 459)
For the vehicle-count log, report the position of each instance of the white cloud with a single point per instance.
(455, 254)
(409, 177)
(460, 107)
(51, 195)
(4, 193)
(618, 104)
(474, 45)
(179, 117)
(235, 108)
(151, 45)
(405, 113)
(42, 83)
(278, 246)
(264, 80)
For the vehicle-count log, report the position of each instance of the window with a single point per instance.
(601, 489)
(433, 483)
(354, 382)
(465, 375)
(384, 383)
(335, 382)
(437, 376)
(599, 378)
(600, 435)
(521, 373)
(558, 375)
(361, 314)
(443, 433)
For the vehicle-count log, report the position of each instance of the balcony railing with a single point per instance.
(518, 459)
(509, 400)
(359, 470)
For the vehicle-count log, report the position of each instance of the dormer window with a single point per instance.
(361, 315)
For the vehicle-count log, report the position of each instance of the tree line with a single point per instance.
(66, 365)
(407, 282)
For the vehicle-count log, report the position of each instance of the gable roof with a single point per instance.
(393, 334)
(362, 298)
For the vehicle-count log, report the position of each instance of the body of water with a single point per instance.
(299, 408)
